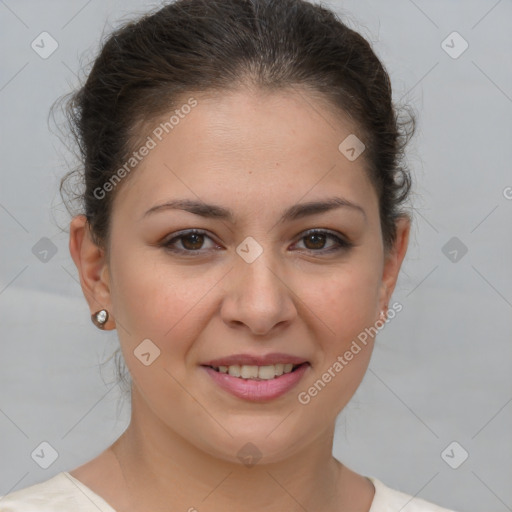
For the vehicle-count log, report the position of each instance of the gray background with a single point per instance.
(440, 371)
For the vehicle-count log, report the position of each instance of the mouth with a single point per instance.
(255, 372)
(256, 382)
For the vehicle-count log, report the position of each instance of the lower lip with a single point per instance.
(258, 390)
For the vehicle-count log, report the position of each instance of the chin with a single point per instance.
(271, 442)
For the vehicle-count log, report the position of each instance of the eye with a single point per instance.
(317, 237)
(192, 241)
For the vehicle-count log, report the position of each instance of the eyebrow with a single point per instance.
(295, 212)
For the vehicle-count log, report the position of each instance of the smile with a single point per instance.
(257, 383)
(266, 372)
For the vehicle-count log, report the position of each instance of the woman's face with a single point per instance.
(253, 285)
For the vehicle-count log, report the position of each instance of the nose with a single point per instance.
(260, 296)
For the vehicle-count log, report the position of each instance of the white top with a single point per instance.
(64, 493)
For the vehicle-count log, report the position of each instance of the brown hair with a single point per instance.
(148, 65)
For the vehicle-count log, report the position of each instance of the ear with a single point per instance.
(393, 262)
(90, 260)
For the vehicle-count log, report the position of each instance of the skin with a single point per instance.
(180, 448)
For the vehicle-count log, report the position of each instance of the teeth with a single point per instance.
(266, 372)
(248, 372)
(234, 370)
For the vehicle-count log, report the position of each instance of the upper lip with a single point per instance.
(255, 360)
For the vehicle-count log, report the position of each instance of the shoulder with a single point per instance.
(60, 493)
(392, 500)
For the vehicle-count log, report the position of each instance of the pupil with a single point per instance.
(191, 236)
(319, 237)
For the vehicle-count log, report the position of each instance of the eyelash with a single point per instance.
(342, 245)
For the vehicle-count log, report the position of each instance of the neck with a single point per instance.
(162, 470)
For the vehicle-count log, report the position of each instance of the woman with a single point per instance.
(243, 232)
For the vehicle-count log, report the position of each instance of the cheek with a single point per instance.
(160, 303)
(346, 308)
(347, 300)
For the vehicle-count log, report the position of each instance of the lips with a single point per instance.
(257, 378)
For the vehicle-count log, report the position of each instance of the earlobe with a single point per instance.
(393, 261)
(91, 264)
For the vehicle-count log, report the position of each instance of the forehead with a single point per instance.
(278, 146)
(245, 120)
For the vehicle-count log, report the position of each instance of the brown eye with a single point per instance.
(316, 240)
(192, 241)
